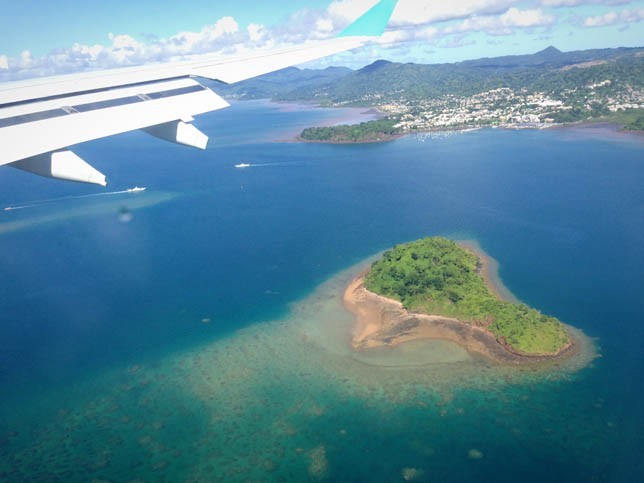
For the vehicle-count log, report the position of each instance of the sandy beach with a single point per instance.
(380, 321)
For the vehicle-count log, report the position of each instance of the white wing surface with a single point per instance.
(41, 118)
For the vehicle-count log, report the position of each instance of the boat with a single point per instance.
(135, 189)
(242, 165)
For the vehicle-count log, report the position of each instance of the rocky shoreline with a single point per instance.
(385, 322)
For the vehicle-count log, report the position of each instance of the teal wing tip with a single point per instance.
(373, 22)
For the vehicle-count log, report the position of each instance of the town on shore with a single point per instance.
(504, 107)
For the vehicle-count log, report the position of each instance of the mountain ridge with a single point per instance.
(335, 84)
(549, 86)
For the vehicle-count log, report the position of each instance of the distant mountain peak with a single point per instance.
(549, 51)
(378, 64)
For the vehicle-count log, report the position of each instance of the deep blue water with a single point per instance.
(561, 210)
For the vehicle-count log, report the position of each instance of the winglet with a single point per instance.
(373, 22)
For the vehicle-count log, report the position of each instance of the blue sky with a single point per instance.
(41, 38)
(42, 26)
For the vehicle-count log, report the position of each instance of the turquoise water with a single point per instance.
(205, 339)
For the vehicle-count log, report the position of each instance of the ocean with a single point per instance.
(194, 331)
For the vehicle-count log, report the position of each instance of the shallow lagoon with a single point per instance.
(286, 399)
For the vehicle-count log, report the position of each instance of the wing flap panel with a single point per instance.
(62, 165)
(28, 139)
(152, 88)
(179, 132)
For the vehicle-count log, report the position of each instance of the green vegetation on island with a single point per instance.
(377, 130)
(436, 276)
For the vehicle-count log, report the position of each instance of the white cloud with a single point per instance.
(576, 3)
(123, 49)
(504, 24)
(91, 51)
(349, 10)
(611, 18)
(4, 62)
(525, 18)
(324, 25)
(418, 12)
(600, 20)
(457, 42)
(26, 59)
(256, 32)
(210, 37)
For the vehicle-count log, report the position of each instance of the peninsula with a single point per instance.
(433, 288)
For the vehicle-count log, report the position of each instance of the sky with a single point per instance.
(47, 38)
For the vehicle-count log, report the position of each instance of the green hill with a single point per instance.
(549, 87)
(549, 71)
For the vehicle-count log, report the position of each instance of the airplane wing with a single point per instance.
(41, 118)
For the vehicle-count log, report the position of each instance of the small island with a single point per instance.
(434, 288)
(378, 130)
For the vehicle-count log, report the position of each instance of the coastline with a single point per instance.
(607, 129)
(358, 114)
(383, 322)
(603, 129)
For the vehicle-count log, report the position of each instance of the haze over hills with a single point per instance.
(278, 84)
(550, 57)
(547, 87)
(385, 80)
(550, 71)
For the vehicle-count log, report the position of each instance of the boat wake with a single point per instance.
(261, 165)
(35, 204)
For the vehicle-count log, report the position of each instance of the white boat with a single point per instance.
(242, 165)
(135, 189)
